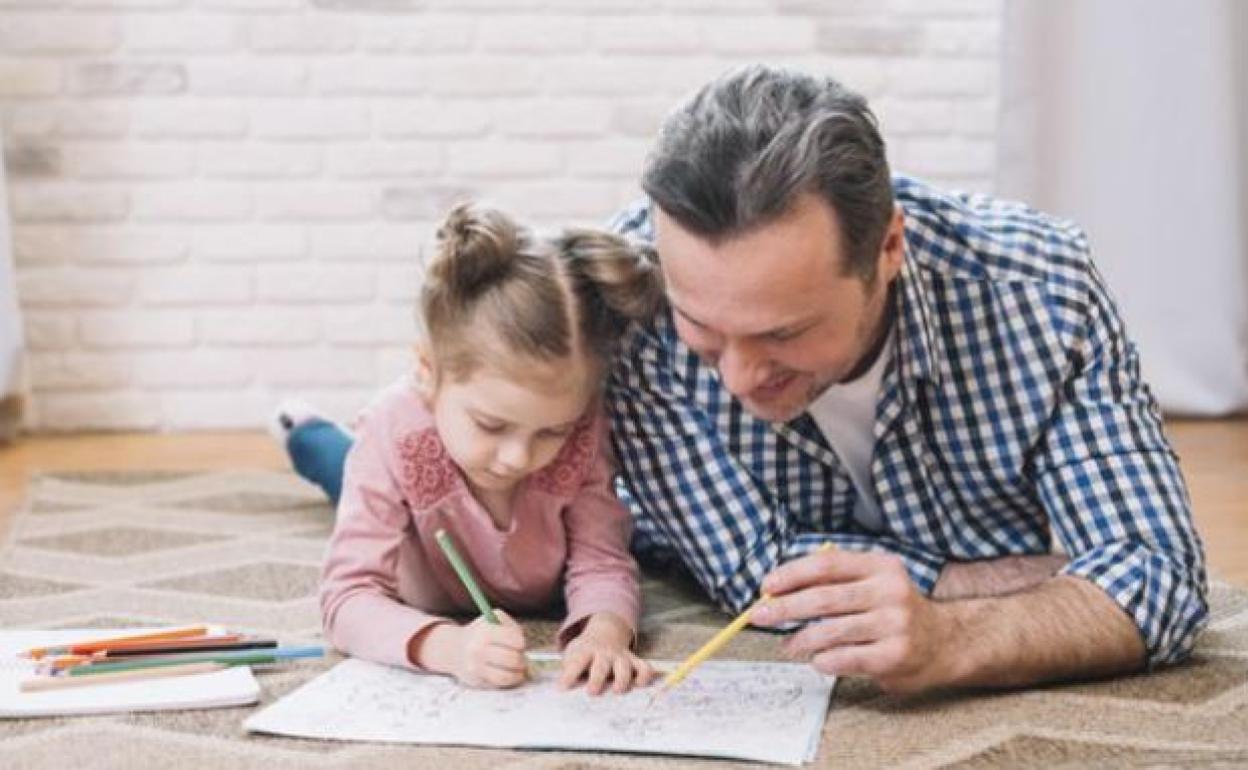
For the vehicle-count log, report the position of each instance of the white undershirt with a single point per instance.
(845, 415)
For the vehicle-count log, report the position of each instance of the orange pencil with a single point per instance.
(95, 645)
(166, 644)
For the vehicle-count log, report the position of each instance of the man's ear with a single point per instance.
(893, 247)
(426, 371)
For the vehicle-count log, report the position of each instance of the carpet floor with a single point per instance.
(243, 548)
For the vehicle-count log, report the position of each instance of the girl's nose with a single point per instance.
(514, 455)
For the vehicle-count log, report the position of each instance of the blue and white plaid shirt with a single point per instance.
(1012, 414)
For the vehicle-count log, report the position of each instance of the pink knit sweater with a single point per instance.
(385, 579)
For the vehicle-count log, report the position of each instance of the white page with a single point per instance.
(233, 686)
(771, 712)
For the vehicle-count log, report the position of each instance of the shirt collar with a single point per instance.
(918, 346)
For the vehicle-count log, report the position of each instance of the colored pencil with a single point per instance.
(83, 648)
(190, 646)
(122, 647)
(73, 661)
(465, 576)
(205, 644)
(470, 583)
(717, 641)
(61, 682)
(229, 658)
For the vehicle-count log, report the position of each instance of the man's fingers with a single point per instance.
(857, 628)
(850, 660)
(816, 602)
(824, 567)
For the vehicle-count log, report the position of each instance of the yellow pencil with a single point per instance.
(717, 641)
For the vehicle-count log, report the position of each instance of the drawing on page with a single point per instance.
(765, 711)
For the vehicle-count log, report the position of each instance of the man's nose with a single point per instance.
(740, 367)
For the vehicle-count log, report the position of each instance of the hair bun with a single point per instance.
(476, 248)
(622, 274)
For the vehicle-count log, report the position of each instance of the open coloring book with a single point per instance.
(771, 712)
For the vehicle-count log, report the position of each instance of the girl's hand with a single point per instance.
(602, 649)
(489, 656)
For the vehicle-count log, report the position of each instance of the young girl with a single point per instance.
(499, 439)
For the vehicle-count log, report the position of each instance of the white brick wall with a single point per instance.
(221, 202)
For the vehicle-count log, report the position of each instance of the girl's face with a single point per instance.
(500, 427)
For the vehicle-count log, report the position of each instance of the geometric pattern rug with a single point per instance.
(243, 548)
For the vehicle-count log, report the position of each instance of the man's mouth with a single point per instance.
(773, 387)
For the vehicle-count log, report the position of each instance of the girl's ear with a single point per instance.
(426, 372)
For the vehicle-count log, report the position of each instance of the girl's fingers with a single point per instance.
(574, 664)
(621, 674)
(645, 672)
(504, 658)
(500, 676)
(599, 670)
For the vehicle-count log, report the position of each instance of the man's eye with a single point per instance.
(782, 336)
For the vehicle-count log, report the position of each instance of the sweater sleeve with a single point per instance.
(360, 609)
(601, 574)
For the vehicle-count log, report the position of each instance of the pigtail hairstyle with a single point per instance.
(616, 281)
(490, 274)
(475, 250)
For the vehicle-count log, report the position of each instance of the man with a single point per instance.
(938, 384)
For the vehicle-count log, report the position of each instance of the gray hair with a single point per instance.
(740, 151)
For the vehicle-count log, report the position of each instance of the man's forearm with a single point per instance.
(995, 577)
(1063, 628)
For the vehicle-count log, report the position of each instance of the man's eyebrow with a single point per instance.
(681, 311)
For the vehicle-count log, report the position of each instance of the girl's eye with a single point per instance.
(490, 427)
(556, 433)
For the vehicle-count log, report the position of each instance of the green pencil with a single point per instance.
(465, 576)
(227, 658)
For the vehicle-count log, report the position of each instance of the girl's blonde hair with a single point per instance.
(496, 287)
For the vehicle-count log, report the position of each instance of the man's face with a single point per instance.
(774, 310)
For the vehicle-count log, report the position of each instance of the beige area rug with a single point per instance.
(242, 549)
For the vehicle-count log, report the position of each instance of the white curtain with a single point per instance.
(1131, 118)
(10, 321)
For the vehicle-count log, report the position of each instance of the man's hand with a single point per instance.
(602, 650)
(874, 623)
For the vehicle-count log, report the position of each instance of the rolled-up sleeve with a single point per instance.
(1114, 493)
